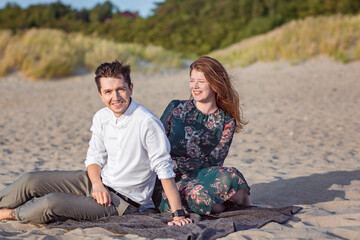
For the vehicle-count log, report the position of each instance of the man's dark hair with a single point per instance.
(112, 70)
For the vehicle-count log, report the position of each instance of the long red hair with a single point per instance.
(226, 96)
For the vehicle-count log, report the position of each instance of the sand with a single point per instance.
(301, 145)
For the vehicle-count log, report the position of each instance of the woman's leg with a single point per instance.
(218, 207)
(212, 187)
(241, 198)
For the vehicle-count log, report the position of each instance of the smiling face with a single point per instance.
(116, 94)
(200, 88)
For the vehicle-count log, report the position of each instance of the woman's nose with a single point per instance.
(196, 84)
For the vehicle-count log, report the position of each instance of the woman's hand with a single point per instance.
(180, 221)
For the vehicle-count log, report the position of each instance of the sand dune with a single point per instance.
(300, 147)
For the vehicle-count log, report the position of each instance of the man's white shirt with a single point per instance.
(131, 150)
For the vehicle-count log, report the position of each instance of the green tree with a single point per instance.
(102, 12)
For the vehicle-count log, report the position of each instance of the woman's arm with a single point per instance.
(220, 152)
(173, 196)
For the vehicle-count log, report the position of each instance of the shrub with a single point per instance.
(42, 53)
(47, 53)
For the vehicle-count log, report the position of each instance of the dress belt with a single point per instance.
(135, 204)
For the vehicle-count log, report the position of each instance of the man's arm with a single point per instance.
(173, 196)
(158, 148)
(95, 159)
(99, 192)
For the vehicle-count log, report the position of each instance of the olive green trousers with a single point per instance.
(40, 197)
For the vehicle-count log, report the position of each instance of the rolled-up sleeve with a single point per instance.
(96, 153)
(158, 148)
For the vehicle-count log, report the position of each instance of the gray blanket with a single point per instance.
(154, 225)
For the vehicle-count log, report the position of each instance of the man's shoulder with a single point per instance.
(142, 112)
(103, 113)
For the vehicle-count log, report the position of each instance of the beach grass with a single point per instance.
(49, 53)
(332, 36)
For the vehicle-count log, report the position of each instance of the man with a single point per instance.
(127, 149)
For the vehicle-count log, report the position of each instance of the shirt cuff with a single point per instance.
(92, 161)
(166, 174)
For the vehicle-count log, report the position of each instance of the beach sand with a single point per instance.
(301, 145)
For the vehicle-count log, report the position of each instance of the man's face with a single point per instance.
(115, 93)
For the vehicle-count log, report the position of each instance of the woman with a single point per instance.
(200, 131)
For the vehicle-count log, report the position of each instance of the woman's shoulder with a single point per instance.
(176, 102)
(229, 122)
(228, 119)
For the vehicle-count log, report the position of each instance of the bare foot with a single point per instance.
(7, 214)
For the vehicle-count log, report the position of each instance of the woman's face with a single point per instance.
(200, 88)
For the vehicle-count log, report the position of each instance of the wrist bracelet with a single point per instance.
(179, 213)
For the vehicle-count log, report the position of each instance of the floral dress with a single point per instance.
(199, 146)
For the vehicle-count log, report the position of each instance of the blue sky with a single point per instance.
(144, 7)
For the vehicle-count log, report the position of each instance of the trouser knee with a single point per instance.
(41, 210)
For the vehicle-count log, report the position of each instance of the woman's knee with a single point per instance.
(226, 175)
(231, 177)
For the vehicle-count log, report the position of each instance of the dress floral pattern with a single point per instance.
(199, 146)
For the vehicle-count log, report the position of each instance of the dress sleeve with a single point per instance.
(220, 152)
(166, 117)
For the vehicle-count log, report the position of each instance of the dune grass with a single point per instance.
(337, 37)
(48, 53)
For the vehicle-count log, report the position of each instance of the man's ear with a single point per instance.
(131, 88)
(100, 96)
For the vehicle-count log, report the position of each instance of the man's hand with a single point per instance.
(180, 221)
(100, 194)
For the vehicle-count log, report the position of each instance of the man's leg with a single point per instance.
(7, 214)
(42, 196)
(38, 184)
(62, 205)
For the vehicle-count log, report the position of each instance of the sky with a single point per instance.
(144, 7)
